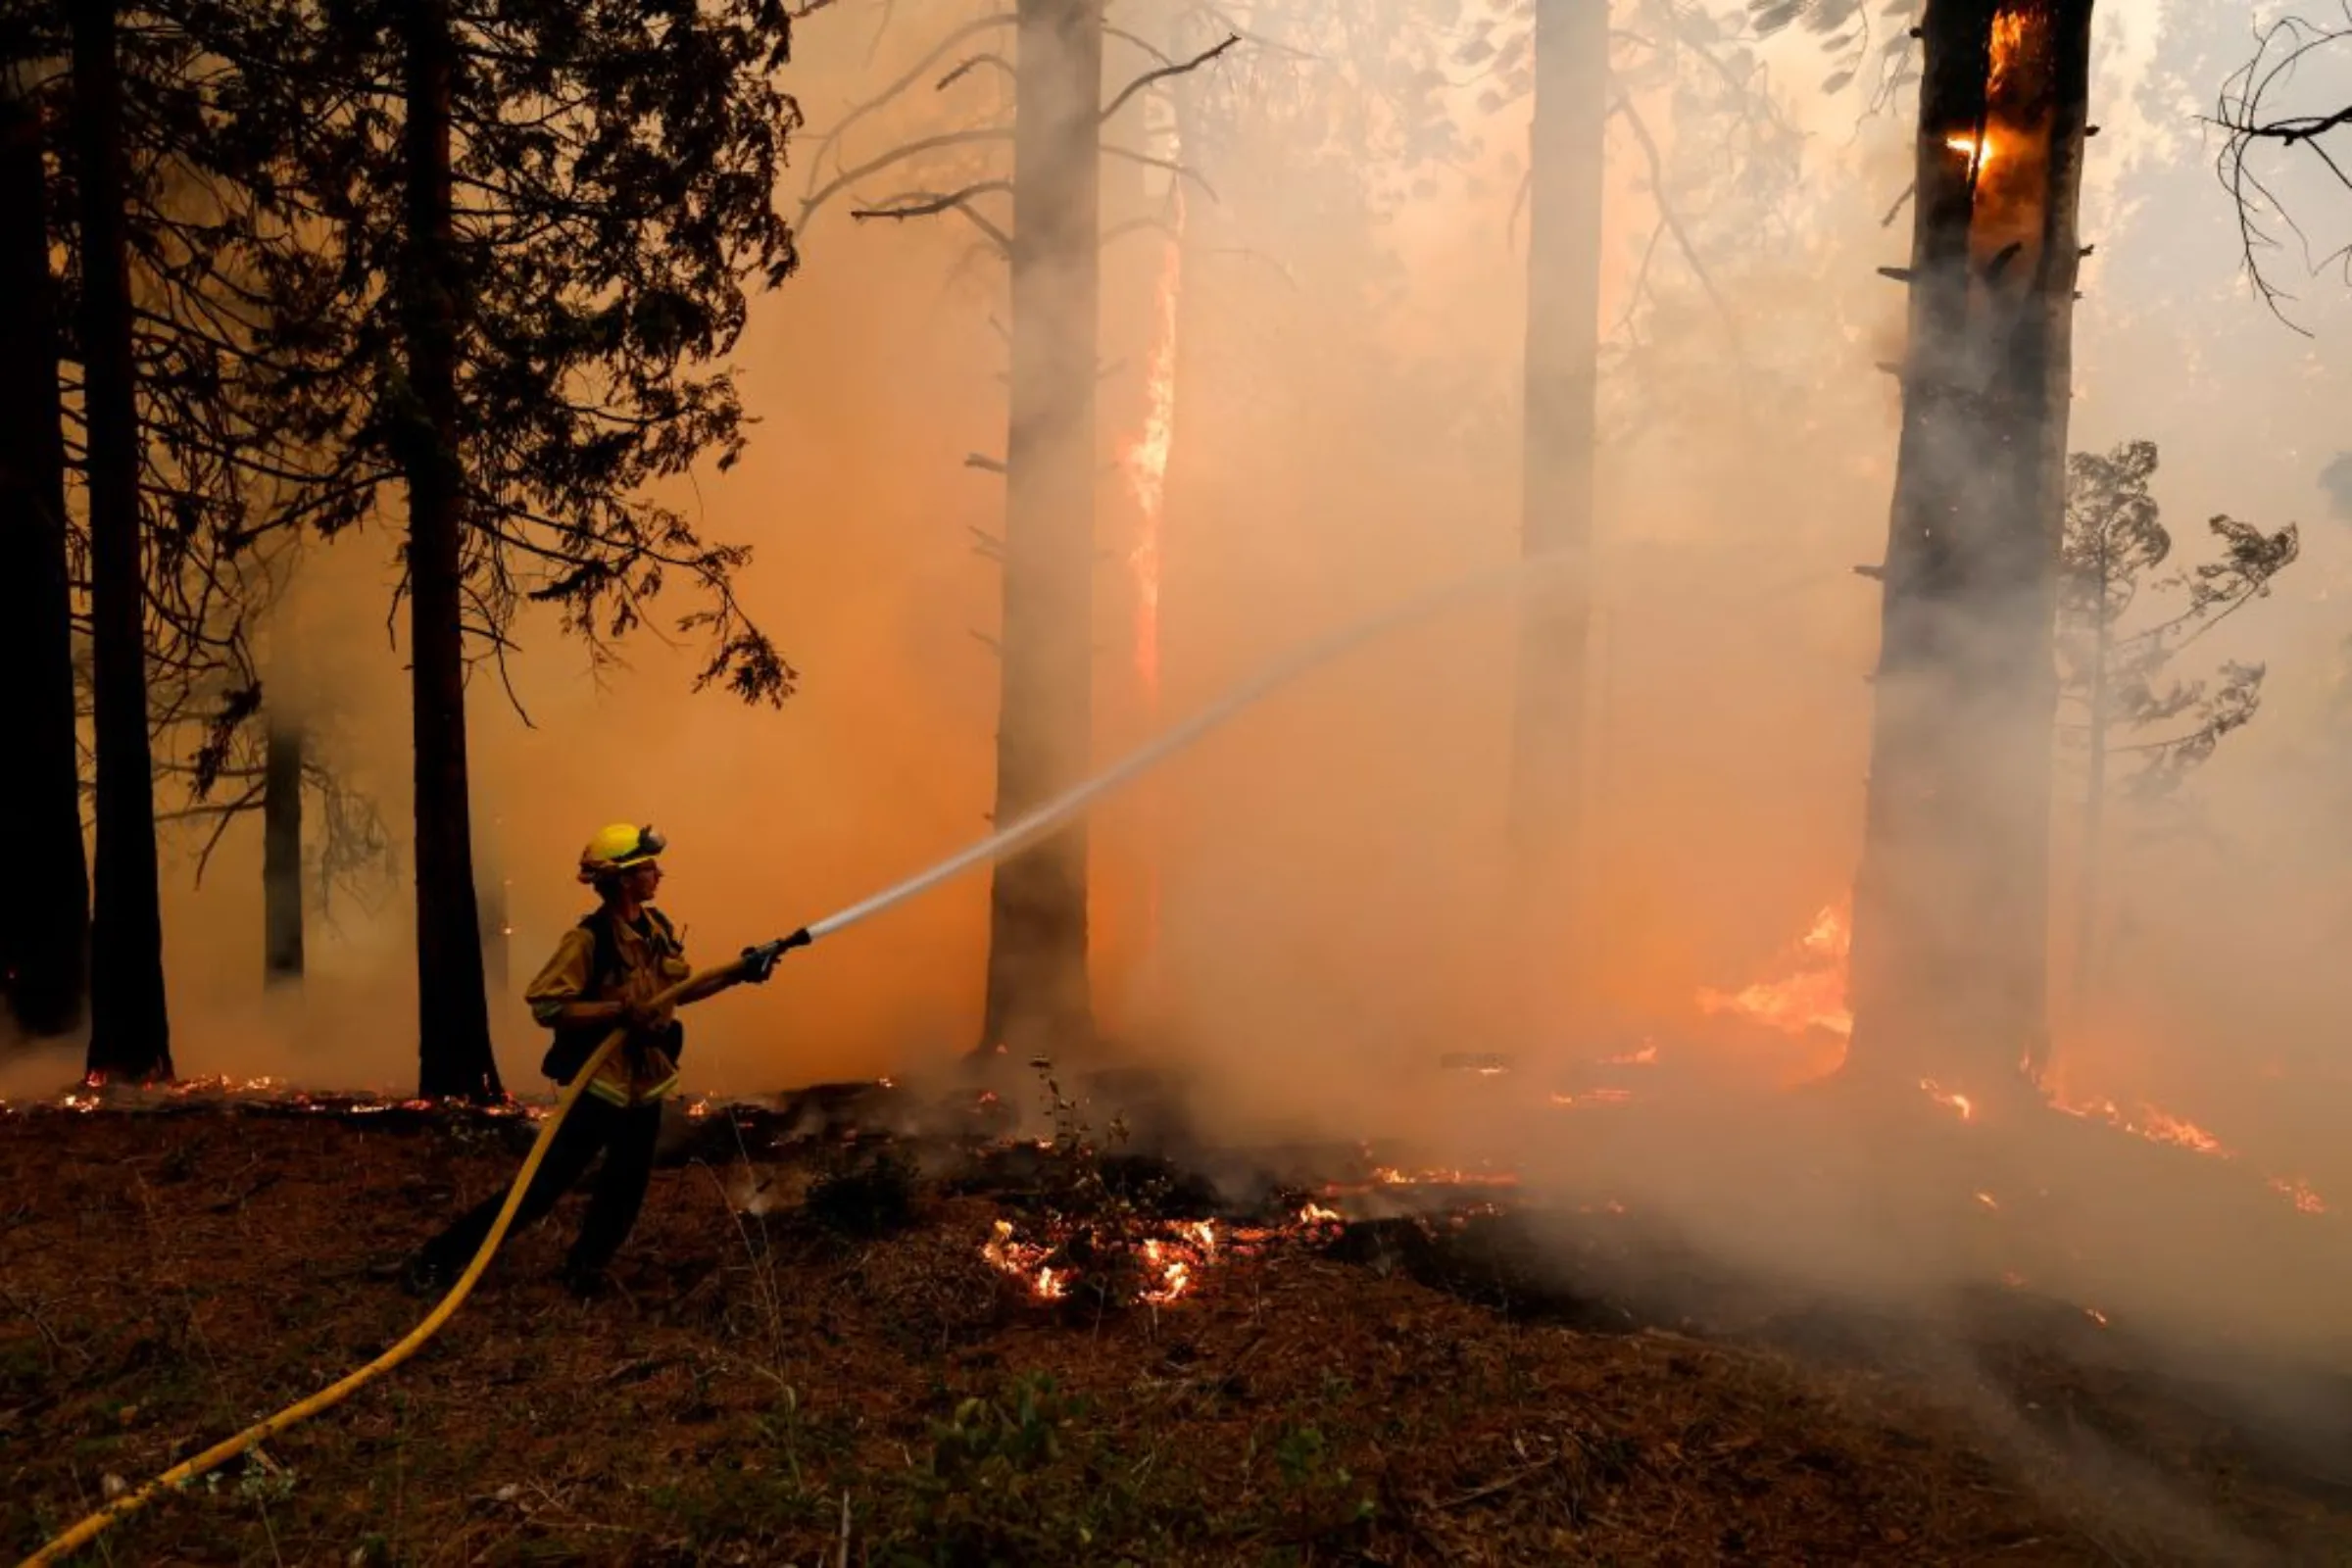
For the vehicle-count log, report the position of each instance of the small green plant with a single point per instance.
(983, 1496)
(1322, 1490)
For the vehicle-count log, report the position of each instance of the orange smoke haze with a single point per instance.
(1309, 415)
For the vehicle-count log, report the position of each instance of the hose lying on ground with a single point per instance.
(1027, 828)
(220, 1454)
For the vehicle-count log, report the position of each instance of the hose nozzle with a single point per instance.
(760, 961)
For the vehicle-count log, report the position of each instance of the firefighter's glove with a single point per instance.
(647, 1019)
(760, 961)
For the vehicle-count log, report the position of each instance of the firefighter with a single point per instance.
(606, 973)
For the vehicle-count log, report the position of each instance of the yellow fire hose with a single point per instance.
(1032, 825)
(334, 1393)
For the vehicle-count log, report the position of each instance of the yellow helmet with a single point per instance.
(619, 848)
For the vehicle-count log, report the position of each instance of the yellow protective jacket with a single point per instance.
(606, 958)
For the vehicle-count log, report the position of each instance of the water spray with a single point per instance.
(1030, 826)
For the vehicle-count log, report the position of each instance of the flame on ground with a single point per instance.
(1172, 1262)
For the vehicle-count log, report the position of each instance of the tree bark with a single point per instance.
(1951, 953)
(281, 853)
(1556, 496)
(1037, 992)
(45, 921)
(130, 1032)
(455, 1057)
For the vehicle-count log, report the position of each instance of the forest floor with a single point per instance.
(771, 1388)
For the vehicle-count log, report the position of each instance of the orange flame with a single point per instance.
(1812, 997)
(1979, 152)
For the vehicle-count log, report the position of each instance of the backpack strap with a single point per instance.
(604, 964)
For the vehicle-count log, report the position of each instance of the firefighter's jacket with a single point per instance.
(606, 958)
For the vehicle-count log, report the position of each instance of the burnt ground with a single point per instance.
(1430, 1389)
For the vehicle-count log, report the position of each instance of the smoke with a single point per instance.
(1336, 878)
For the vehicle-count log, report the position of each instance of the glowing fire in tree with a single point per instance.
(1145, 460)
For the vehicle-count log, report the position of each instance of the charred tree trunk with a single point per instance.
(453, 1051)
(1038, 998)
(1556, 500)
(281, 853)
(1950, 955)
(131, 1031)
(45, 921)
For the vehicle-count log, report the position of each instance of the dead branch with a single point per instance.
(896, 156)
(928, 203)
(922, 68)
(2243, 113)
(1181, 68)
(986, 58)
(1674, 222)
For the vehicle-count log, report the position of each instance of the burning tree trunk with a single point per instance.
(131, 1031)
(453, 1051)
(281, 852)
(45, 921)
(1951, 910)
(1562, 345)
(1037, 978)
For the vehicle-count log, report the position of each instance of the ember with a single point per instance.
(1172, 1262)
(1959, 1103)
(2298, 1191)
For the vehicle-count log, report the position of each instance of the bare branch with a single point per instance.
(1182, 68)
(928, 203)
(899, 155)
(2242, 112)
(1674, 224)
(973, 64)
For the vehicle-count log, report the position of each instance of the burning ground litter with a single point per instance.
(1394, 1365)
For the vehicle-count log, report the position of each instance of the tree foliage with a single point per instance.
(2125, 622)
(614, 166)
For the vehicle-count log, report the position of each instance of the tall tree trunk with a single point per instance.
(1556, 497)
(131, 1031)
(45, 921)
(1037, 995)
(1950, 955)
(453, 1051)
(281, 852)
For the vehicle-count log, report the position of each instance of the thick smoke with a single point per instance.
(1333, 868)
